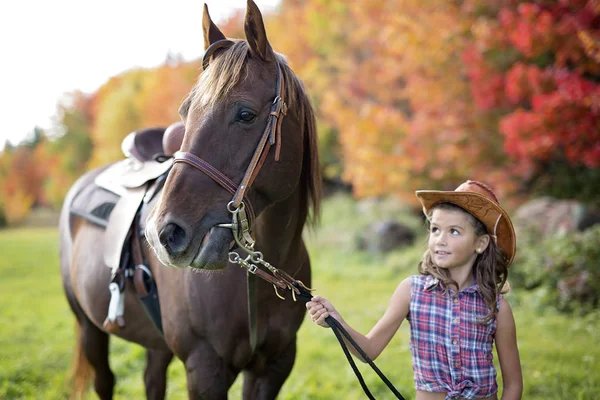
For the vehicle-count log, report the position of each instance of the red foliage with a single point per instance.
(548, 98)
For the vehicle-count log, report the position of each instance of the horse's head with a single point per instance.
(225, 116)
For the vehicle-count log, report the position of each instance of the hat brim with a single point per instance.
(483, 208)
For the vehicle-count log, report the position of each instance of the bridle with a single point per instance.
(239, 207)
(271, 136)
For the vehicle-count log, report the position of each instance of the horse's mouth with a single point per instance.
(214, 249)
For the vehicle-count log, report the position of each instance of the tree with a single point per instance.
(137, 99)
(70, 152)
(389, 77)
(533, 68)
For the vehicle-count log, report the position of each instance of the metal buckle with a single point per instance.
(252, 268)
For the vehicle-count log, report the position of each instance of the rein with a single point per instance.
(299, 291)
(242, 213)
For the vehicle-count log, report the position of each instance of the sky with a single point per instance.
(49, 48)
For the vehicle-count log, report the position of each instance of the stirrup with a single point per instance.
(115, 321)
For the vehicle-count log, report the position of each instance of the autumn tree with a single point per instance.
(137, 99)
(69, 153)
(534, 70)
(388, 76)
(23, 171)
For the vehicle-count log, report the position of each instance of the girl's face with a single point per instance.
(453, 242)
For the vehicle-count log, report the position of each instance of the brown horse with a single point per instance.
(205, 315)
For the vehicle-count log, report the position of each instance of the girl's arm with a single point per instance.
(377, 339)
(508, 353)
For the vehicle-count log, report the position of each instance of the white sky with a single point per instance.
(48, 48)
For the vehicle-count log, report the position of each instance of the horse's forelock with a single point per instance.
(223, 74)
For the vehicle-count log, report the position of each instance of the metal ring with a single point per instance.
(235, 210)
(256, 256)
(144, 268)
(234, 257)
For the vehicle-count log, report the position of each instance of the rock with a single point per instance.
(549, 216)
(384, 236)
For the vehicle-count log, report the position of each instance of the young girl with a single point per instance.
(455, 307)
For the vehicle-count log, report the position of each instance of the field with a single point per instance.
(560, 354)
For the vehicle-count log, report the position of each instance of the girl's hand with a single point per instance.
(320, 308)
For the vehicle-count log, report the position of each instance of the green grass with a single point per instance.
(560, 354)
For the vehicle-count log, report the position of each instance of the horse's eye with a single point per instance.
(246, 116)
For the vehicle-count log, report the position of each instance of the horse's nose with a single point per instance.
(174, 239)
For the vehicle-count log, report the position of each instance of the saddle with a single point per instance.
(133, 179)
(115, 202)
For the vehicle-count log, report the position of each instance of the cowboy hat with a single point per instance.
(479, 200)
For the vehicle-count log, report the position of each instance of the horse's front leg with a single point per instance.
(155, 375)
(208, 375)
(266, 383)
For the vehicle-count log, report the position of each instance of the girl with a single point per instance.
(455, 307)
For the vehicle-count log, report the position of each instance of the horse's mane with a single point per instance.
(227, 71)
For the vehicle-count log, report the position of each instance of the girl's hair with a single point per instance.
(490, 268)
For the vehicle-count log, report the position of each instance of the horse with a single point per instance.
(189, 237)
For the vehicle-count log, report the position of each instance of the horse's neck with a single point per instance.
(279, 232)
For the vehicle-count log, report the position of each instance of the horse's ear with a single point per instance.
(256, 34)
(211, 32)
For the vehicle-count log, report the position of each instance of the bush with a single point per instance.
(3, 221)
(564, 268)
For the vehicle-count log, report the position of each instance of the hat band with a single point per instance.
(495, 227)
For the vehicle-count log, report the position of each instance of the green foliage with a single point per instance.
(574, 270)
(3, 221)
(329, 152)
(71, 151)
(562, 180)
(563, 269)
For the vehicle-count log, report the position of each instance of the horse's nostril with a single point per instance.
(173, 238)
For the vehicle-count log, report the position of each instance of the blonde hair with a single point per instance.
(490, 267)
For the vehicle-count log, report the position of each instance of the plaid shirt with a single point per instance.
(451, 353)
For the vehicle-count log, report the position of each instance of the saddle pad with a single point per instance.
(94, 203)
(130, 174)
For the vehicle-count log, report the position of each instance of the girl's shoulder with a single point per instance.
(422, 281)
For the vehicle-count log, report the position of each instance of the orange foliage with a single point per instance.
(389, 76)
(138, 99)
(22, 175)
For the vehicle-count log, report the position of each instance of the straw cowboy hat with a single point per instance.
(479, 200)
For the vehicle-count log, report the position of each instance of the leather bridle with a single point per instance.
(242, 221)
(271, 136)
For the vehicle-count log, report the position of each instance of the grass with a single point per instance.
(560, 354)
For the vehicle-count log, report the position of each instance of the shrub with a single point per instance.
(564, 268)
(3, 221)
